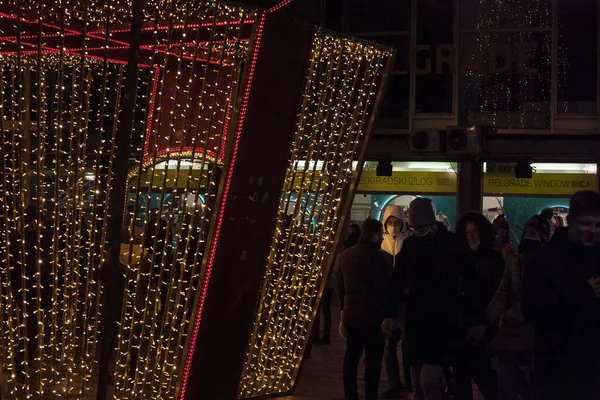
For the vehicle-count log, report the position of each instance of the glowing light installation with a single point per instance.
(343, 82)
(61, 92)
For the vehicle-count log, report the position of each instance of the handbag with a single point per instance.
(515, 336)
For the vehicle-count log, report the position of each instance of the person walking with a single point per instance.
(561, 294)
(395, 227)
(474, 362)
(427, 275)
(502, 242)
(329, 292)
(513, 342)
(363, 295)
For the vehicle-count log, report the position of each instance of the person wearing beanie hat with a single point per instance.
(427, 278)
(561, 294)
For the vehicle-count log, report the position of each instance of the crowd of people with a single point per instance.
(468, 307)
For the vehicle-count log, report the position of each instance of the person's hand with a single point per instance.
(595, 284)
(476, 332)
(387, 326)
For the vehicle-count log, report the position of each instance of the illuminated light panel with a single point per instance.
(75, 106)
(343, 85)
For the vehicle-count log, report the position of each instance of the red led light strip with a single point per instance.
(213, 248)
(279, 5)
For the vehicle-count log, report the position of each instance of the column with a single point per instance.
(470, 186)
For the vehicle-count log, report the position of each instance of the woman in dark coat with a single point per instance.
(473, 362)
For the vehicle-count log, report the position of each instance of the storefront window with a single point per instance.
(365, 16)
(517, 200)
(409, 180)
(505, 79)
(434, 56)
(578, 77)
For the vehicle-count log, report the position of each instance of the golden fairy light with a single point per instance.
(343, 83)
(62, 92)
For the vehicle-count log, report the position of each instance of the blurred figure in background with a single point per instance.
(502, 243)
(513, 342)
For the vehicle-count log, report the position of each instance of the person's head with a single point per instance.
(475, 230)
(394, 221)
(372, 231)
(500, 227)
(584, 218)
(547, 214)
(355, 229)
(421, 217)
(536, 233)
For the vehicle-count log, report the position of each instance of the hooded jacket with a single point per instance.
(392, 241)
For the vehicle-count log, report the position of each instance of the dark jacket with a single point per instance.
(363, 285)
(557, 296)
(428, 277)
(488, 267)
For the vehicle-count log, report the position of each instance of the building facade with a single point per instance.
(527, 72)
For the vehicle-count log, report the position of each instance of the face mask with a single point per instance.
(422, 232)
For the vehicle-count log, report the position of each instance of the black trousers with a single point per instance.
(392, 366)
(325, 310)
(474, 363)
(371, 341)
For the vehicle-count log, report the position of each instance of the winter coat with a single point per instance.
(363, 285)
(428, 277)
(488, 270)
(557, 296)
(505, 307)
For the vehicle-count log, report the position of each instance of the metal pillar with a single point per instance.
(470, 185)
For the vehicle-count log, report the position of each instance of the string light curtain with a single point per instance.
(344, 81)
(520, 33)
(62, 88)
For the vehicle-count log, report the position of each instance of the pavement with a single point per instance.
(321, 375)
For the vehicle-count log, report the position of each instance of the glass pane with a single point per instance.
(578, 56)
(395, 103)
(402, 45)
(505, 80)
(506, 14)
(368, 16)
(434, 56)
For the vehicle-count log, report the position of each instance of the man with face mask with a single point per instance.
(561, 293)
(395, 231)
(363, 295)
(427, 275)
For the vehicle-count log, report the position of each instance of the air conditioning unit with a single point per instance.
(426, 141)
(463, 140)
